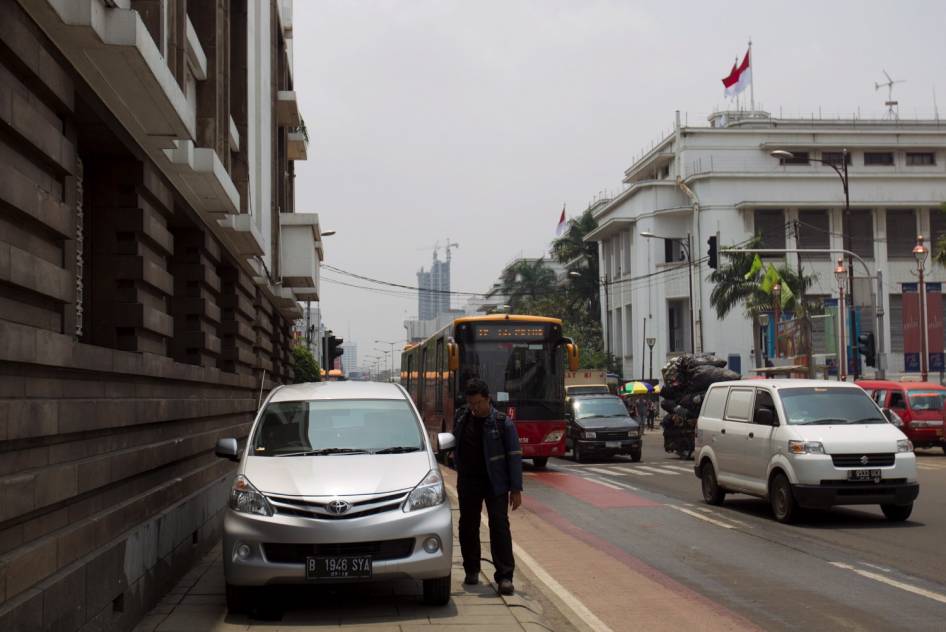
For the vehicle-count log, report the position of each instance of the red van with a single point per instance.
(919, 404)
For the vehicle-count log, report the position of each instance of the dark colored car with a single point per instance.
(599, 425)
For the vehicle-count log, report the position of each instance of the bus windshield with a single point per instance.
(527, 375)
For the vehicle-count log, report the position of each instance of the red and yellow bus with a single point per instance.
(521, 358)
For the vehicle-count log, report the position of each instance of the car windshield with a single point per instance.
(926, 399)
(337, 427)
(823, 405)
(586, 390)
(599, 407)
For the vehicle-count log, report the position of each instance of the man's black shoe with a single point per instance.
(471, 579)
(506, 587)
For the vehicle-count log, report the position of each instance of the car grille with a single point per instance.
(281, 553)
(611, 435)
(319, 510)
(856, 460)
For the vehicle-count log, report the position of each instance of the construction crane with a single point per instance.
(436, 248)
(449, 246)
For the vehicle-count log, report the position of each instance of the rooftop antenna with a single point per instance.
(935, 107)
(892, 106)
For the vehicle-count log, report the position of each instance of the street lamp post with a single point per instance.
(920, 252)
(777, 295)
(841, 275)
(763, 346)
(650, 373)
(842, 174)
(392, 343)
(686, 251)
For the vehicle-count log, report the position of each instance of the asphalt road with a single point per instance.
(844, 569)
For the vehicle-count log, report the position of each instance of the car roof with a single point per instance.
(788, 383)
(338, 390)
(890, 384)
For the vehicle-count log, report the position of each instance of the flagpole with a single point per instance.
(752, 78)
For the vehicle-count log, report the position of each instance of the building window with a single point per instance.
(860, 232)
(901, 233)
(679, 330)
(618, 349)
(814, 231)
(628, 313)
(798, 158)
(878, 158)
(674, 251)
(937, 227)
(835, 157)
(921, 159)
(627, 252)
(770, 227)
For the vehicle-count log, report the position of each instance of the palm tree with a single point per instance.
(527, 279)
(578, 255)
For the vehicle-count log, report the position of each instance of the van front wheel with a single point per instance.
(897, 513)
(437, 591)
(783, 500)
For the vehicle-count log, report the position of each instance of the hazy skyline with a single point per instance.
(477, 120)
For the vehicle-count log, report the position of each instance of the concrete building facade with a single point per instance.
(721, 179)
(151, 264)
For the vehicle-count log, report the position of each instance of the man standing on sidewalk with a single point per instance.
(489, 470)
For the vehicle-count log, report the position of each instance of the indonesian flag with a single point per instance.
(739, 77)
(561, 223)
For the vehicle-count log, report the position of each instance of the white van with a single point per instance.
(803, 443)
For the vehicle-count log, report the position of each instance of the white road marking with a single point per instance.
(688, 470)
(600, 482)
(880, 568)
(556, 590)
(916, 590)
(700, 516)
(598, 470)
(658, 470)
(729, 518)
(631, 470)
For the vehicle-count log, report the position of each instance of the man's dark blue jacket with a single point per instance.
(500, 447)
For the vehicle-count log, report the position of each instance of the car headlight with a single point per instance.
(428, 493)
(904, 445)
(244, 498)
(552, 437)
(589, 435)
(805, 447)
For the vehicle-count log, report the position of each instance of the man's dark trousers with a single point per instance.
(472, 495)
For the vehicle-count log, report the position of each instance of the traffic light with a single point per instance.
(713, 252)
(332, 348)
(865, 345)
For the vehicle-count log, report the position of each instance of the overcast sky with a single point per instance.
(477, 119)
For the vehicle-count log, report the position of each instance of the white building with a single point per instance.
(350, 357)
(721, 178)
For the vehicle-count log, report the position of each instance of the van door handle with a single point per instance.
(751, 435)
(723, 431)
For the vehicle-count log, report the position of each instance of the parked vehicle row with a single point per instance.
(918, 406)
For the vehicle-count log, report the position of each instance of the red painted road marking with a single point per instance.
(592, 493)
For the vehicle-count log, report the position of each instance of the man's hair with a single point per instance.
(476, 386)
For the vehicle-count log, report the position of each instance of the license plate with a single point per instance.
(864, 475)
(612, 444)
(341, 567)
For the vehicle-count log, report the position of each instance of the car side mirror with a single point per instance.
(893, 417)
(765, 417)
(446, 442)
(227, 449)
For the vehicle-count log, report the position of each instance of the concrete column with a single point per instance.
(196, 298)
(237, 299)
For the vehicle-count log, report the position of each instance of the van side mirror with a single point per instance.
(445, 442)
(227, 449)
(453, 356)
(765, 417)
(571, 350)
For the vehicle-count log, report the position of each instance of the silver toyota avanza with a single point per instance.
(337, 483)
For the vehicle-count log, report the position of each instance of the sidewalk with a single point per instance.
(197, 604)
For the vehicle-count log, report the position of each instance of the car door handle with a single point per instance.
(751, 435)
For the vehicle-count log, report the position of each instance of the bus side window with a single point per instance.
(439, 382)
(410, 376)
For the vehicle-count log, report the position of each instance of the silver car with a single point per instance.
(338, 483)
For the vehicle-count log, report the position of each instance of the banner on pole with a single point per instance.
(912, 345)
(934, 323)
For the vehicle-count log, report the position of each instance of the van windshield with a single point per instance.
(829, 406)
(926, 399)
(337, 427)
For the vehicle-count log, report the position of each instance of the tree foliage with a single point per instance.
(527, 279)
(305, 366)
(938, 242)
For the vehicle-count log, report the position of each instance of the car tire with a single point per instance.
(713, 494)
(540, 462)
(897, 513)
(636, 455)
(240, 599)
(782, 500)
(437, 591)
(579, 454)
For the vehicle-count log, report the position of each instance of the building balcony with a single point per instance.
(202, 172)
(300, 253)
(287, 109)
(297, 148)
(245, 236)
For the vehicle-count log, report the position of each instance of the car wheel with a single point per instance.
(897, 513)
(712, 492)
(437, 591)
(578, 453)
(636, 455)
(240, 599)
(540, 461)
(783, 500)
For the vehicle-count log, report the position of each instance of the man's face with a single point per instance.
(478, 404)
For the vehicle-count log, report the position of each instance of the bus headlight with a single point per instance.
(554, 436)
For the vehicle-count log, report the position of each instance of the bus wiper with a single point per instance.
(398, 449)
(325, 451)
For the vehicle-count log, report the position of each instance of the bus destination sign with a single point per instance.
(510, 331)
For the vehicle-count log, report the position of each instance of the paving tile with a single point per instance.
(202, 617)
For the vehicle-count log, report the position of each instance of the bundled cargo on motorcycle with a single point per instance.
(686, 380)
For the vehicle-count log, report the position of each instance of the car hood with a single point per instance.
(858, 439)
(605, 422)
(337, 475)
